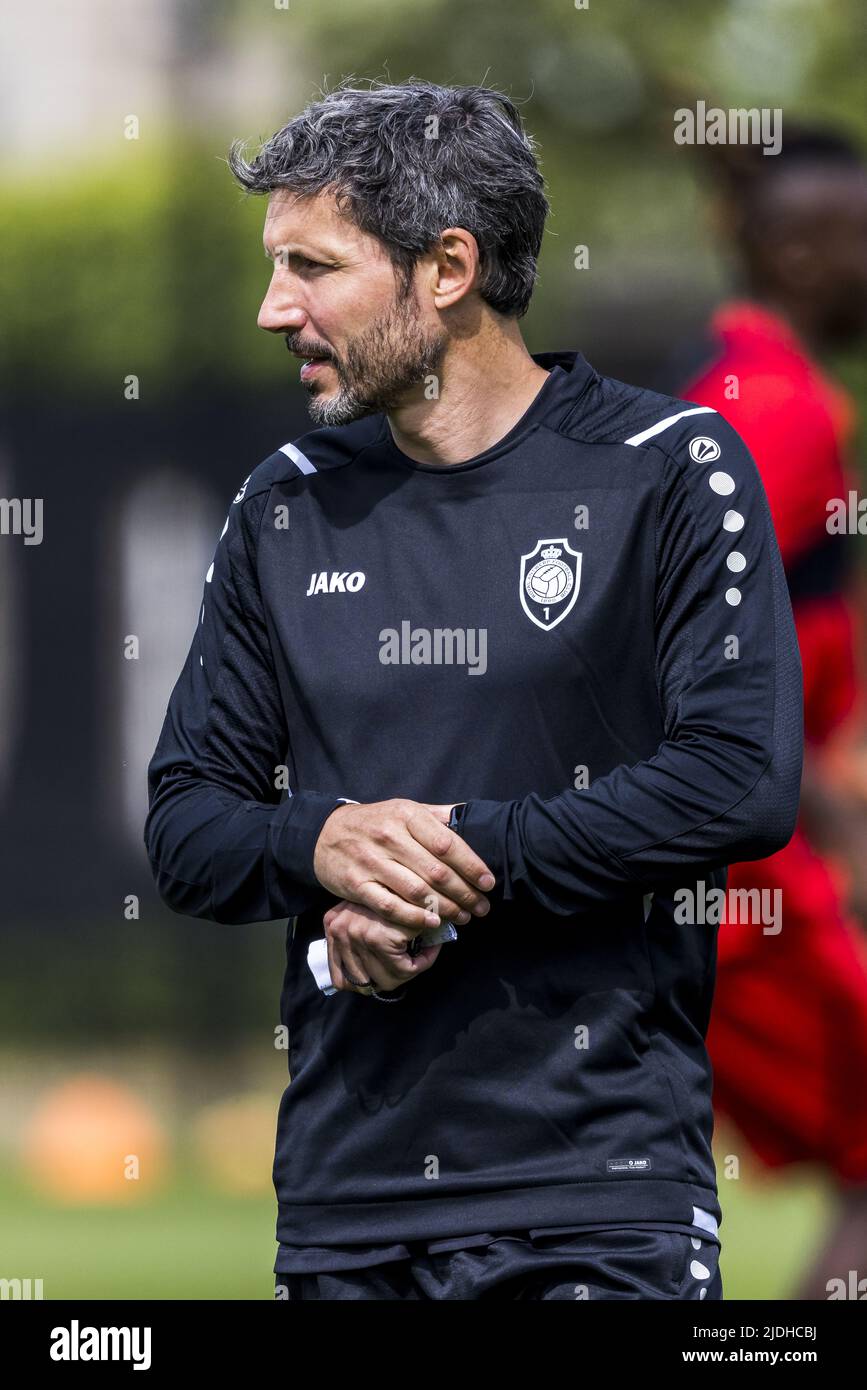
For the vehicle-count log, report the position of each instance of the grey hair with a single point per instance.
(404, 178)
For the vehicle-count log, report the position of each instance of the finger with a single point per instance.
(355, 970)
(398, 911)
(410, 871)
(449, 847)
(393, 963)
(335, 966)
(412, 864)
(382, 966)
(347, 974)
(355, 910)
(387, 964)
(446, 906)
(339, 976)
(368, 949)
(424, 959)
(383, 953)
(382, 950)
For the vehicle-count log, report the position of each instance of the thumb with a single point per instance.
(425, 958)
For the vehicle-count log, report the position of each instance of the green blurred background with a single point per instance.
(139, 258)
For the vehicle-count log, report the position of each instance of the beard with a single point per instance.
(378, 367)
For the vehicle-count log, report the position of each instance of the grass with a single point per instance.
(186, 1243)
(190, 1242)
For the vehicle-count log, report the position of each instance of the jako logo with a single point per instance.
(76, 1343)
(704, 450)
(334, 583)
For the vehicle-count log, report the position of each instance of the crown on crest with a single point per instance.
(551, 553)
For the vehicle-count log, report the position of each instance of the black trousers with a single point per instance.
(614, 1264)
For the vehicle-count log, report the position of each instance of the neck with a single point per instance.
(486, 383)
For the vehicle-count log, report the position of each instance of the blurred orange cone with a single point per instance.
(91, 1139)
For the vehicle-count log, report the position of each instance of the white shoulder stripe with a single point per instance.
(302, 462)
(669, 420)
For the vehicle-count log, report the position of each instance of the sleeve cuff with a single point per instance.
(483, 824)
(296, 829)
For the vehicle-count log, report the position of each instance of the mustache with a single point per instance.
(293, 346)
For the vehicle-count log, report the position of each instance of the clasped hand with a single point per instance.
(397, 870)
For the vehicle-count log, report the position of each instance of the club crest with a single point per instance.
(549, 582)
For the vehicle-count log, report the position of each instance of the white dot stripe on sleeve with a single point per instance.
(669, 420)
(301, 462)
(705, 1220)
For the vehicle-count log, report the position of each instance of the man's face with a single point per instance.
(844, 244)
(335, 297)
(817, 253)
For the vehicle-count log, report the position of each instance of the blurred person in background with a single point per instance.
(788, 1033)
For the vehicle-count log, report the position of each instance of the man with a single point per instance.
(533, 623)
(788, 1038)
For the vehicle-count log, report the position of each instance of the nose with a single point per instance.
(280, 311)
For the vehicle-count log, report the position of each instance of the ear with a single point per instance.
(455, 268)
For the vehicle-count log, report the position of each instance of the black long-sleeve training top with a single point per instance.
(584, 634)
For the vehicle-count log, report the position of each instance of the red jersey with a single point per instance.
(798, 426)
(788, 1032)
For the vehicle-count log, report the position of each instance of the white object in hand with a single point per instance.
(317, 952)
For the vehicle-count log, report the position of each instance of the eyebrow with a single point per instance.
(290, 249)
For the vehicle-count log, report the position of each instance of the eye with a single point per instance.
(296, 262)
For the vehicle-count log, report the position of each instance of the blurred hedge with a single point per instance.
(148, 266)
(151, 264)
